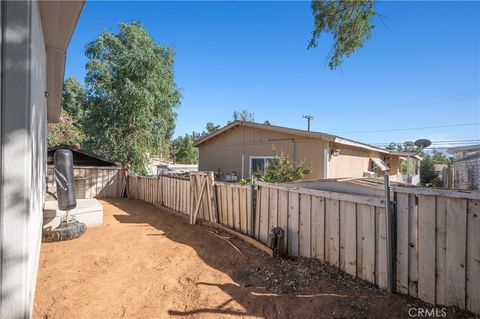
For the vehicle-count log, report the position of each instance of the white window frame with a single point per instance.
(257, 157)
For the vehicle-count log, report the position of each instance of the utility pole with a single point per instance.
(308, 118)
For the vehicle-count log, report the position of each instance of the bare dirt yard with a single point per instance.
(144, 262)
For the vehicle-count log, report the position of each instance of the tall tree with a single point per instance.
(69, 130)
(243, 115)
(73, 98)
(65, 132)
(350, 23)
(184, 152)
(440, 158)
(210, 128)
(132, 96)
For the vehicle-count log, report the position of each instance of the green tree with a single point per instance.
(131, 94)
(184, 152)
(210, 128)
(243, 115)
(69, 130)
(73, 99)
(428, 175)
(350, 23)
(65, 132)
(440, 158)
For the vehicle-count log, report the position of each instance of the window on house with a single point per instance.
(259, 164)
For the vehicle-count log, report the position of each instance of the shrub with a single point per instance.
(280, 170)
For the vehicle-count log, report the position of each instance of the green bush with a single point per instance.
(281, 170)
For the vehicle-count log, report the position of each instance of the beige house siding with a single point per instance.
(230, 151)
(225, 151)
(351, 162)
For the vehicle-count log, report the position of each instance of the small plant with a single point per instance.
(280, 170)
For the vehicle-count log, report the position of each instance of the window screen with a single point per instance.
(258, 165)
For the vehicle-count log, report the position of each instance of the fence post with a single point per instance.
(253, 207)
(389, 223)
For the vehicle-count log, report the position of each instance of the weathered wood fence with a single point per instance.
(346, 231)
(169, 191)
(436, 256)
(108, 182)
(438, 246)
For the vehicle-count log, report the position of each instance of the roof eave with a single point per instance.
(59, 19)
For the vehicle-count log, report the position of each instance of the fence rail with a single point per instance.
(437, 233)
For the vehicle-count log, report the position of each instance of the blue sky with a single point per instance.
(421, 67)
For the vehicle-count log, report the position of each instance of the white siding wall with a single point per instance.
(23, 154)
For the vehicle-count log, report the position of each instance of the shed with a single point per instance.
(245, 147)
(81, 158)
(94, 176)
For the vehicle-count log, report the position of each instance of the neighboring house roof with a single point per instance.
(466, 148)
(287, 130)
(81, 158)
(468, 157)
(405, 155)
(59, 19)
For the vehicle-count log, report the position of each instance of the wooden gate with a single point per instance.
(202, 197)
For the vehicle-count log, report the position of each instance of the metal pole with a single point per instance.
(388, 222)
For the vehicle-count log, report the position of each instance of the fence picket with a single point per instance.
(473, 257)
(456, 251)
(305, 213)
(318, 227)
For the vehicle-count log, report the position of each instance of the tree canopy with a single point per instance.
(73, 98)
(350, 23)
(243, 115)
(65, 132)
(132, 96)
(69, 129)
(407, 146)
(183, 150)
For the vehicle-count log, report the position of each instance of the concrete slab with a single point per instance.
(88, 211)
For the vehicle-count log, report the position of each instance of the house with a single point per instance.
(466, 167)
(34, 40)
(160, 166)
(241, 148)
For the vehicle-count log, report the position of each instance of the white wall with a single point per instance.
(23, 154)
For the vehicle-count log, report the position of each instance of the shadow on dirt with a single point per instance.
(265, 286)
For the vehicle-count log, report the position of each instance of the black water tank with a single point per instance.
(63, 161)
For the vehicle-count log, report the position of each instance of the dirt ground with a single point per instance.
(147, 263)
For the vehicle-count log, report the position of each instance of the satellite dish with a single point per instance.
(423, 143)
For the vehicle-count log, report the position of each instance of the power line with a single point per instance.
(410, 128)
(436, 142)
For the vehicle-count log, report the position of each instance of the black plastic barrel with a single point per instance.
(64, 178)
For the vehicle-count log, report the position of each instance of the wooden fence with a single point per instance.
(345, 231)
(100, 181)
(234, 206)
(169, 191)
(438, 246)
(436, 256)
